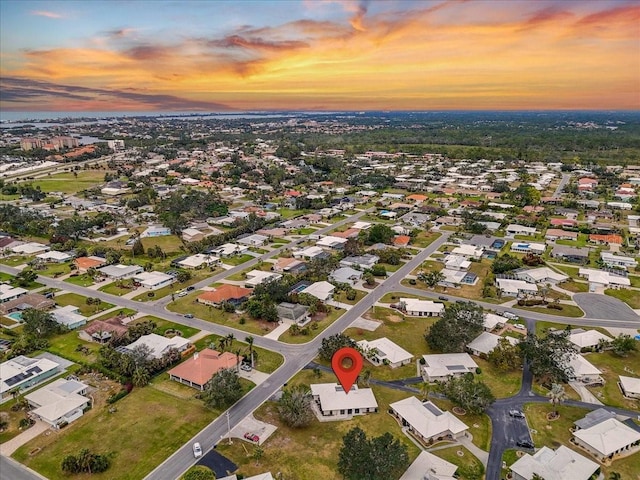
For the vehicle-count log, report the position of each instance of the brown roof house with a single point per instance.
(199, 369)
(224, 293)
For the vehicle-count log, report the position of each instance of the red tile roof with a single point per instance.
(203, 365)
(224, 293)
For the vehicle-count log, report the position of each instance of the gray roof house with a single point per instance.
(293, 312)
(361, 261)
(345, 275)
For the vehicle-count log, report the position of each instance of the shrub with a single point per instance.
(117, 396)
(412, 281)
(478, 371)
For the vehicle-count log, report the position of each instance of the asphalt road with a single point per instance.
(597, 305)
(12, 470)
(563, 181)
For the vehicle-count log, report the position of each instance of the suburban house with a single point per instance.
(158, 345)
(605, 437)
(346, 275)
(456, 262)
(30, 248)
(192, 235)
(229, 250)
(383, 351)
(540, 275)
(554, 234)
(493, 321)
(332, 401)
(59, 403)
(515, 229)
(120, 272)
(587, 338)
(293, 312)
(601, 279)
(329, 241)
(421, 308)
(256, 277)
(69, 316)
(442, 366)
(468, 251)
(224, 293)
(102, 331)
(426, 421)
(24, 302)
(579, 368)
(198, 370)
(8, 293)
(630, 386)
(23, 372)
(605, 239)
(255, 240)
(362, 262)
(85, 263)
(311, 253)
(570, 254)
(528, 247)
(427, 466)
(484, 343)
(516, 288)
(320, 290)
(613, 260)
(289, 265)
(154, 280)
(561, 464)
(54, 256)
(156, 231)
(198, 260)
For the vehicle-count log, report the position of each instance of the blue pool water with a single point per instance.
(17, 316)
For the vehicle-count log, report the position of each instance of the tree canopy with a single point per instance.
(461, 323)
(470, 393)
(223, 390)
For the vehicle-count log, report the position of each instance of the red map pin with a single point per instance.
(346, 364)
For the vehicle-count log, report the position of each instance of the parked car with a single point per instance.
(188, 315)
(516, 413)
(252, 437)
(191, 288)
(524, 443)
(444, 299)
(182, 294)
(197, 450)
(245, 367)
(519, 326)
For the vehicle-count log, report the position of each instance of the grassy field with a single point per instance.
(394, 297)
(424, 239)
(163, 325)
(612, 366)
(237, 259)
(266, 361)
(479, 425)
(15, 260)
(168, 243)
(576, 287)
(342, 297)
(114, 289)
(314, 332)
(69, 183)
(312, 452)
(572, 311)
(174, 421)
(54, 270)
(502, 384)
(124, 311)
(469, 467)
(81, 302)
(83, 280)
(188, 304)
(66, 346)
(630, 297)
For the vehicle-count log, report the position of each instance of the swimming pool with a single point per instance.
(17, 316)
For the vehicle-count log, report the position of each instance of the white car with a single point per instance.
(183, 294)
(519, 326)
(197, 450)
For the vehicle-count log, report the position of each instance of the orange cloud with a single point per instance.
(44, 13)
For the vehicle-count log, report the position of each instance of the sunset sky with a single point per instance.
(319, 55)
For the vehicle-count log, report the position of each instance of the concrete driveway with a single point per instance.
(604, 306)
(12, 445)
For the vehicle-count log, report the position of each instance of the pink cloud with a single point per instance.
(44, 13)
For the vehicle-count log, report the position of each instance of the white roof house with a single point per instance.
(427, 466)
(491, 321)
(256, 277)
(7, 292)
(514, 288)
(452, 278)
(254, 240)
(331, 242)
(333, 401)
(154, 280)
(230, 249)
(486, 342)
(159, 345)
(309, 253)
(585, 339)
(120, 271)
(422, 308)
(600, 278)
(467, 251)
(23, 372)
(528, 247)
(457, 262)
(560, 464)
(426, 420)
(198, 260)
(515, 229)
(607, 438)
(384, 351)
(30, 248)
(60, 402)
(321, 290)
(630, 386)
(54, 256)
(443, 366)
(614, 260)
(541, 275)
(579, 368)
(69, 316)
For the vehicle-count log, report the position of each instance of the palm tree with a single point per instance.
(557, 395)
(229, 339)
(222, 343)
(237, 360)
(365, 377)
(249, 339)
(615, 476)
(425, 387)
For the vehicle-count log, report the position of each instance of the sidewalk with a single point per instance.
(585, 394)
(478, 452)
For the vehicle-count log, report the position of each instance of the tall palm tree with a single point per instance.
(557, 395)
(249, 339)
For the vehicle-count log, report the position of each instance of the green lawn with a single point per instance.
(576, 287)
(569, 270)
(630, 297)
(124, 311)
(333, 315)
(69, 183)
(266, 361)
(114, 289)
(424, 239)
(163, 325)
(54, 270)
(469, 467)
(81, 302)
(394, 297)
(502, 384)
(176, 287)
(188, 304)
(66, 345)
(572, 311)
(15, 260)
(5, 277)
(612, 366)
(342, 297)
(173, 422)
(509, 457)
(83, 280)
(237, 259)
(168, 243)
(312, 452)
